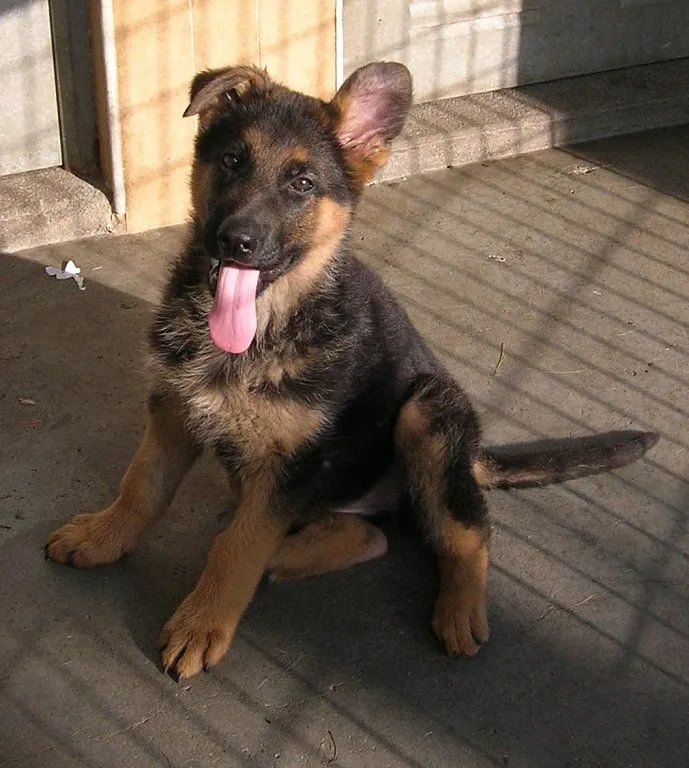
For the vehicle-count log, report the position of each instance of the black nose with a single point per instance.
(237, 240)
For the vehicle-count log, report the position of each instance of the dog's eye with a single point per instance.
(229, 161)
(302, 184)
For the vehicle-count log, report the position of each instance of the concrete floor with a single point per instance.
(576, 263)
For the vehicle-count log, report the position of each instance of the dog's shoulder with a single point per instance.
(387, 324)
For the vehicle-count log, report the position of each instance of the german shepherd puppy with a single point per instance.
(278, 350)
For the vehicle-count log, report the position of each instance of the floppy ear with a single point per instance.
(371, 108)
(209, 88)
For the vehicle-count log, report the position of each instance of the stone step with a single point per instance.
(499, 124)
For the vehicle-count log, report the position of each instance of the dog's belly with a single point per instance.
(384, 497)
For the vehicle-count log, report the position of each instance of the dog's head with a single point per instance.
(275, 180)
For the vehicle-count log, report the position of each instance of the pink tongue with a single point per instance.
(232, 320)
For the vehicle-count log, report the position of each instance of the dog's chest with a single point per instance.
(256, 424)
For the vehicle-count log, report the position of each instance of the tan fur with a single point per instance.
(162, 459)
(203, 626)
(299, 154)
(483, 472)
(216, 409)
(330, 544)
(487, 475)
(199, 181)
(274, 154)
(413, 439)
(459, 617)
(275, 371)
(279, 300)
(260, 426)
(264, 146)
(364, 167)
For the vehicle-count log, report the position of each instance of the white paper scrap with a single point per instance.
(69, 270)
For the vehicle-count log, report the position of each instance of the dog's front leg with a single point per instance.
(202, 628)
(165, 453)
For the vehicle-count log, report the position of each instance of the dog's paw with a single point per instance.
(461, 625)
(89, 540)
(195, 638)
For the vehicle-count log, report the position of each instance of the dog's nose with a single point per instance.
(242, 244)
(237, 241)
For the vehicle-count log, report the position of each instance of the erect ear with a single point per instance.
(371, 107)
(210, 88)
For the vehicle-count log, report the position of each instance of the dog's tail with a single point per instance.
(553, 461)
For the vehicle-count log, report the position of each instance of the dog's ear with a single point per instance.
(371, 108)
(210, 88)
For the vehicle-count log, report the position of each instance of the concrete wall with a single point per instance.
(161, 44)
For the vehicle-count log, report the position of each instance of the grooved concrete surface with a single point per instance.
(575, 262)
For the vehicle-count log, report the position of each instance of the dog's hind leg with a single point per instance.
(436, 435)
(331, 544)
(164, 455)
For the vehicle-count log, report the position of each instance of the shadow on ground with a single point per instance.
(581, 279)
(663, 164)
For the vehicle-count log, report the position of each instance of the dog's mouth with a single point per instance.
(235, 287)
(265, 278)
